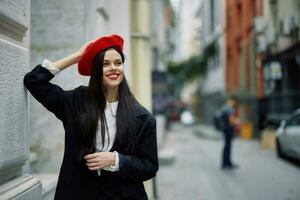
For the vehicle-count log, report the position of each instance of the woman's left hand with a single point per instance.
(100, 160)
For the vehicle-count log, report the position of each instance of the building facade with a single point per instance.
(211, 32)
(15, 179)
(241, 73)
(278, 39)
(141, 54)
(262, 63)
(188, 25)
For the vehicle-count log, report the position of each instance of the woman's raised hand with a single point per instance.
(80, 51)
(71, 59)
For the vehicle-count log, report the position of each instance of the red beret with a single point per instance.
(85, 63)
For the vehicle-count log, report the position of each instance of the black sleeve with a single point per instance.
(144, 165)
(51, 96)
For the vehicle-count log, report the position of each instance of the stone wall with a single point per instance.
(14, 35)
(57, 30)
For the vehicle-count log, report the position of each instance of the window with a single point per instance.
(295, 121)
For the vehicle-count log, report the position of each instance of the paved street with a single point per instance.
(196, 175)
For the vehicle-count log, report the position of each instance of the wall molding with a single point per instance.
(11, 28)
(20, 186)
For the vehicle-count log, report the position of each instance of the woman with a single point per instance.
(110, 139)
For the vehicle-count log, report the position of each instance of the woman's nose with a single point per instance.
(113, 66)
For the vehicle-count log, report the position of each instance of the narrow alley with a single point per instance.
(196, 174)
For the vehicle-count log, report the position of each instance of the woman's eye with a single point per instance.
(118, 63)
(105, 64)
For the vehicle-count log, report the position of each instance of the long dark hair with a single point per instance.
(94, 111)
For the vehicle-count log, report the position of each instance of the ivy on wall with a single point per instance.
(194, 67)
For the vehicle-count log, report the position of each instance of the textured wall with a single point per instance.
(14, 183)
(13, 143)
(13, 63)
(57, 30)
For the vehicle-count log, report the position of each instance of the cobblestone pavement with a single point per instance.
(196, 173)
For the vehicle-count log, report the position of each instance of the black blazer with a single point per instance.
(75, 180)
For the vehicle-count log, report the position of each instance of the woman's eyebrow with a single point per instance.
(106, 60)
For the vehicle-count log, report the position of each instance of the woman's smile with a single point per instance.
(113, 76)
(113, 69)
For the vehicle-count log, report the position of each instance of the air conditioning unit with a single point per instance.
(295, 22)
(261, 43)
(276, 70)
(288, 24)
(270, 37)
(259, 24)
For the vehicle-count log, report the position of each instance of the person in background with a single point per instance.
(110, 139)
(230, 115)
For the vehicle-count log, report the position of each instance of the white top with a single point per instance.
(110, 114)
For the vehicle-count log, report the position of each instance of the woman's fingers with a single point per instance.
(94, 168)
(84, 47)
(90, 156)
(94, 164)
(99, 160)
(93, 160)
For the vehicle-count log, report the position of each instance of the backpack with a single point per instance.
(220, 120)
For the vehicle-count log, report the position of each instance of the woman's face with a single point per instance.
(113, 69)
